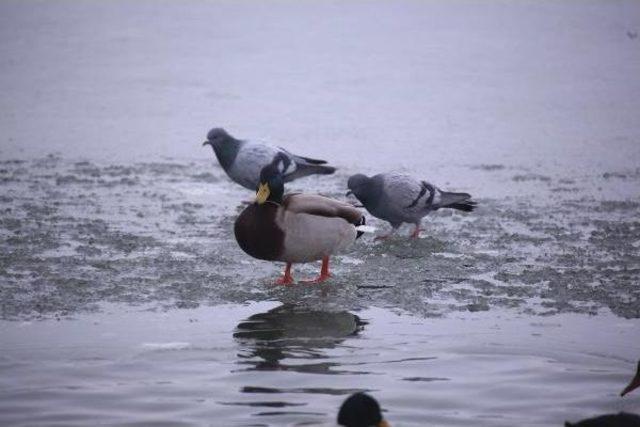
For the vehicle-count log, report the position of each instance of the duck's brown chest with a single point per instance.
(257, 232)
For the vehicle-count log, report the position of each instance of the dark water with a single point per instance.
(124, 299)
(272, 364)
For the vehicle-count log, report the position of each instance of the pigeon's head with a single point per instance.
(360, 186)
(271, 185)
(217, 137)
(361, 410)
(224, 146)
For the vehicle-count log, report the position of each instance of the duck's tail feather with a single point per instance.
(362, 228)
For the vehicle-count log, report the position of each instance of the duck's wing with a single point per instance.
(315, 227)
(322, 206)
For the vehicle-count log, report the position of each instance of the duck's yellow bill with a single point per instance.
(384, 423)
(263, 193)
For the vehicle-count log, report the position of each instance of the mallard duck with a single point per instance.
(294, 228)
(399, 198)
(635, 382)
(361, 410)
(243, 160)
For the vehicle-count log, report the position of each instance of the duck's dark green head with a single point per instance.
(271, 186)
(361, 410)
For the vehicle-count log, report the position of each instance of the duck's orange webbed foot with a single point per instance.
(321, 278)
(324, 272)
(284, 281)
(287, 279)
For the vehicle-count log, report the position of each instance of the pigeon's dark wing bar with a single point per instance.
(425, 186)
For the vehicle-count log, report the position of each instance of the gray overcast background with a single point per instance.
(472, 82)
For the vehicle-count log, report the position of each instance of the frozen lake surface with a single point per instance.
(125, 300)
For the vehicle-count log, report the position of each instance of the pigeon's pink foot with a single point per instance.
(416, 232)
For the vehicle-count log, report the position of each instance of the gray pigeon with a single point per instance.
(399, 198)
(243, 160)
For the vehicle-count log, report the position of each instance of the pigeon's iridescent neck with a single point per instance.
(226, 152)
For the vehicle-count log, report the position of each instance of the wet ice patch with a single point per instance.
(73, 234)
(351, 260)
(165, 346)
(450, 255)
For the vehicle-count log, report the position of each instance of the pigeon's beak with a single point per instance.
(349, 193)
(207, 142)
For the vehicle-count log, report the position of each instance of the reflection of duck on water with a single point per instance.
(291, 332)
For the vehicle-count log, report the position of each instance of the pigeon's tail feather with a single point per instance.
(465, 206)
(313, 161)
(306, 169)
(319, 169)
(459, 201)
